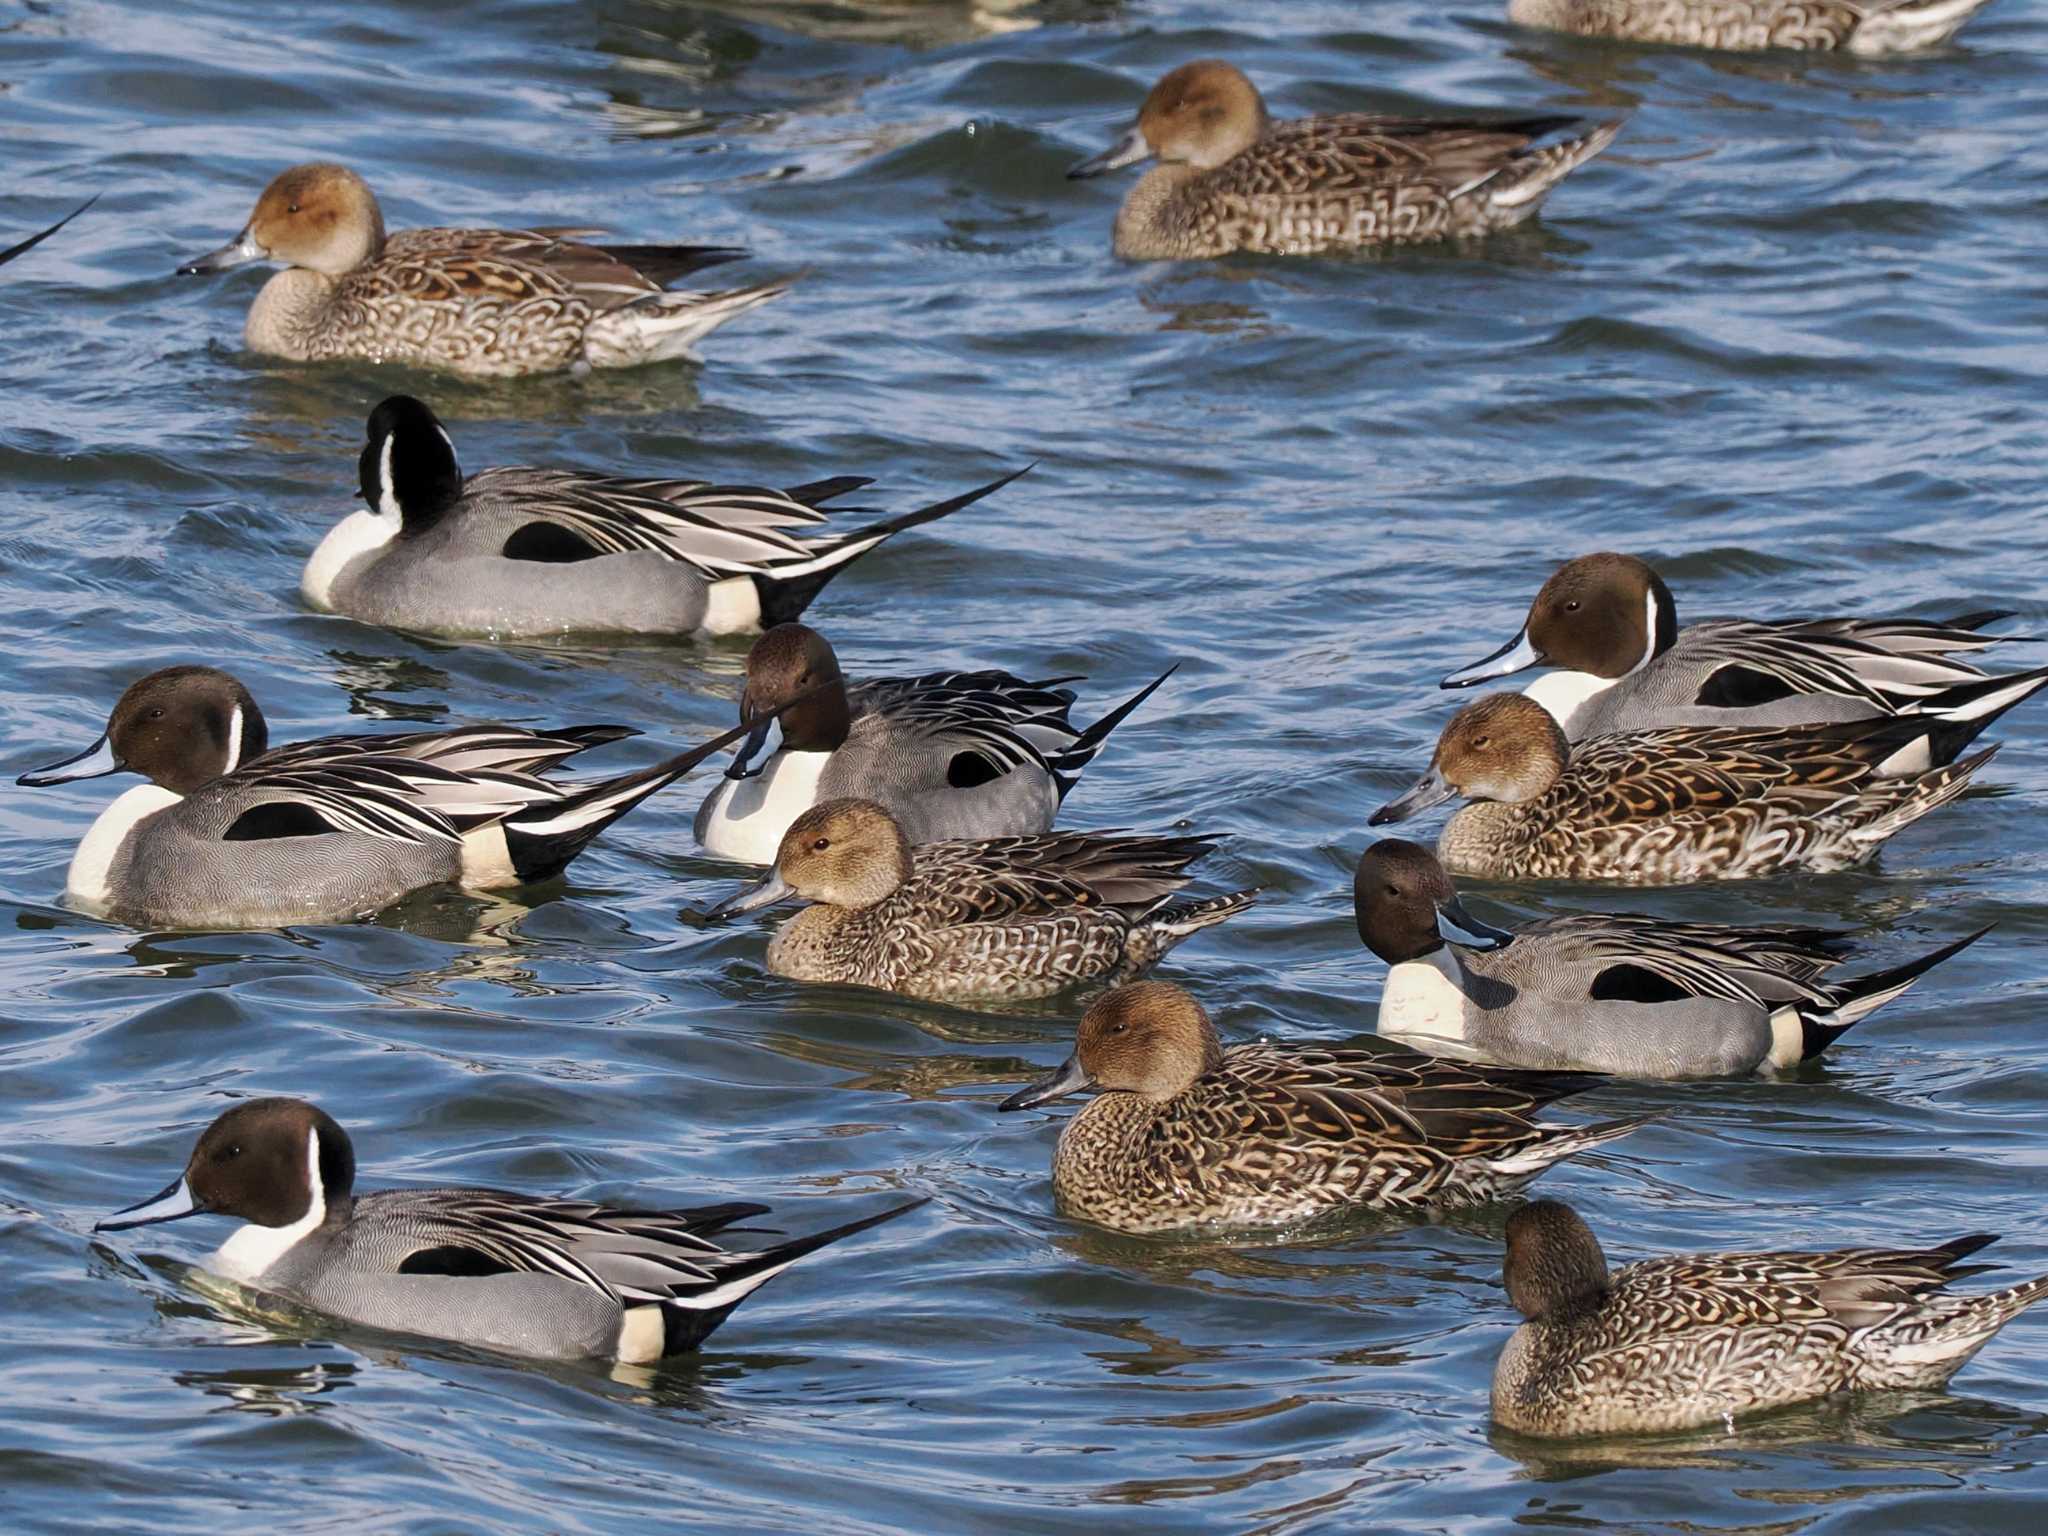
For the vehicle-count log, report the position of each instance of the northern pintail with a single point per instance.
(1186, 1132)
(1232, 179)
(948, 754)
(1674, 1343)
(1666, 807)
(493, 303)
(523, 1274)
(229, 832)
(1854, 26)
(1009, 917)
(518, 552)
(1608, 624)
(1633, 996)
(23, 247)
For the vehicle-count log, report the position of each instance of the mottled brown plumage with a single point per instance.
(1855, 26)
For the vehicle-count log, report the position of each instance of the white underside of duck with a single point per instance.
(358, 534)
(88, 883)
(1564, 694)
(1423, 1003)
(744, 819)
(732, 607)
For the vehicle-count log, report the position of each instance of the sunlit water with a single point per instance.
(1785, 339)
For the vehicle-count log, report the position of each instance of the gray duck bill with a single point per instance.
(1460, 927)
(1070, 1078)
(95, 762)
(238, 250)
(762, 743)
(1431, 789)
(171, 1203)
(765, 892)
(1518, 655)
(1128, 150)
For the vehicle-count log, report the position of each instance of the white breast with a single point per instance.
(88, 883)
(1564, 694)
(360, 533)
(745, 818)
(1423, 1005)
(252, 1249)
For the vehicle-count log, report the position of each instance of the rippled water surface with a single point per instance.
(1785, 339)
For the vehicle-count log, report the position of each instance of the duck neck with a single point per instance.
(1482, 836)
(825, 943)
(288, 313)
(1155, 222)
(1099, 1148)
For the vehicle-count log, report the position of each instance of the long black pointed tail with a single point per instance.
(543, 839)
(788, 590)
(1860, 996)
(1068, 763)
(1964, 711)
(688, 1318)
(24, 246)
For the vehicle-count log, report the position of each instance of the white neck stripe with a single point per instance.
(387, 493)
(234, 741)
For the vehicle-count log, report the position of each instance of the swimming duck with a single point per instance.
(490, 303)
(1677, 1342)
(1232, 179)
(1854, 26)
(1608, 622)
(525, 1275)
(948, 754)
(229, 832)
(518, 552)
(1011, 917)
(1633, 996)
(1185, 1132)
(1665, 807)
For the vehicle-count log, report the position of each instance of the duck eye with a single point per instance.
(1117, 1028)
(1481, 741)
(292, 208)
(1572, 606)
(228, 1153)
(822, 844)
(1391, 891)
(157, 713)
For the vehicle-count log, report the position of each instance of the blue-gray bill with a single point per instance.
(238, 250)
(1070, 1078)
(1460, 927)
(765, 892)
(171, 1203)
(1518, 655)
(1128, 150)
(1431, 789)
(763, 743)
(95, 762)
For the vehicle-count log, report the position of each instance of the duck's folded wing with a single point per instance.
(1360, 153)
(1428, 1094)
(998, 721)
(1850, 1287)
(370, 797)
(991, 879)
(1642, 959)
(1887, 664)
(465, 749)
(1651, 775)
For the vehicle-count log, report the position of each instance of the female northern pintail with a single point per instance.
(1855, 26)
(1232, 179)
(996, 917)
(231, 833)
(548, 1278)
(484, 302)
(1665, 807)
(1186, 1132)
(1609, 623)
(522, 551)
(1695, 1339)
(1634, 996)
(948, 754)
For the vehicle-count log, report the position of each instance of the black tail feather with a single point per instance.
(1817, 1033)
(811, 493)
(1068, 765)
(24, 246)
(1947, 738)
(665, 263)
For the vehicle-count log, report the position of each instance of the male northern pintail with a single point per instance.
(484, 302)
(1855, 26)
(229, 832)
(1696, 1339)
(522, 551)
(1007, 917)
(1634, 996)
(1666, 807)
(548, 1278)
(1608, 623)
(23, 247)
(1186, 1132)
(1232, 179)
(948, 754)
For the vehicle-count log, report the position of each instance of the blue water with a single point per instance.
(1784, 339)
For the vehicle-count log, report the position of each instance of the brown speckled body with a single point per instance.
(1276, 1135)
(1666, 807)
(1350, 181)
(1878, 26)
(1680, 1342)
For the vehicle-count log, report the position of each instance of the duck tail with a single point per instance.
(689, 1316)
(1068, 763)
(1912, 25)
(1172, 922)
(24, 246)
(1932, 1343)
(665, 326)
(787, 590)
(1856, 999)
(1524, 181)
(541, 840)
(1964, 711)
(1554, 1143)
(665, 264)
(1929, 792)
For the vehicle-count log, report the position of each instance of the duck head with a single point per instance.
(1200, 114)
(842, 853)
(269, 1161)
(1150, 1038)
(1606, 615)
(181, 727)
(788, 663)
(407, 470)
(1407, 906)
(319, 216)
(1504, 747)
(1554, 1264)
